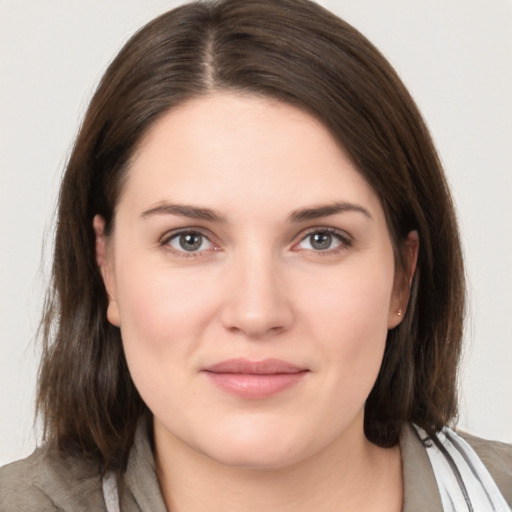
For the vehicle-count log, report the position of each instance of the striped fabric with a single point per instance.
(462, 479)
(110, 492)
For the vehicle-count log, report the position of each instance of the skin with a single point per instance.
(257, 287)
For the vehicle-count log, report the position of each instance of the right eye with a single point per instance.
(189, 242)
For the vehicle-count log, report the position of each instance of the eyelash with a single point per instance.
(165, 242)
(344, 239)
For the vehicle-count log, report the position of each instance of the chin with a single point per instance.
(256, 448)
(244, 457)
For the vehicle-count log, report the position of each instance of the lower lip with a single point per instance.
(255, 387)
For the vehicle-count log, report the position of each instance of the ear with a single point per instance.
(103, 260)
(403, 279)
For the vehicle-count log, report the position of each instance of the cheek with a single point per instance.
(350, 323)
(163, 315)
(157, 305)
(354, 301)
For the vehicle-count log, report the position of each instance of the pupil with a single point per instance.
(321, 241)
(190, 242)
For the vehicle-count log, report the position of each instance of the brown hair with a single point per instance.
(299, 53)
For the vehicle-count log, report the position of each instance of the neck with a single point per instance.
(351, 474)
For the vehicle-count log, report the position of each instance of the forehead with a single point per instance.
(227, 150)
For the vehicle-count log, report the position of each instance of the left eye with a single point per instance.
(189, 241)
(321, 241)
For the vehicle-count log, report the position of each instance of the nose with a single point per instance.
(257, 303)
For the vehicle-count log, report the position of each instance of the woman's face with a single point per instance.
(251, 272)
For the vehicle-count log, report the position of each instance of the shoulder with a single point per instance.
(421, 490)
(19, 487)
(47, 482)
(497, 458)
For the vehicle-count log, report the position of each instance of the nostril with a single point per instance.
(256, 327)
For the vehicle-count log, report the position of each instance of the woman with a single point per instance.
(258, 286)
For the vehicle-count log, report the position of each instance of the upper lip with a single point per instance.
(245, 366)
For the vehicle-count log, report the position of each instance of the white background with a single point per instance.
(454, 55)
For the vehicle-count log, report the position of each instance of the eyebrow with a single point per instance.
(300, 215)
(304, 214)
(185, 210)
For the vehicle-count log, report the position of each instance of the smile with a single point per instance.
(255, 380)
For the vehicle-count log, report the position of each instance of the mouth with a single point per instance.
(255, 380)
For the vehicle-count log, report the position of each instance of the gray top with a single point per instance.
(45, 483)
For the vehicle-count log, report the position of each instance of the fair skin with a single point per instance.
(222, 249)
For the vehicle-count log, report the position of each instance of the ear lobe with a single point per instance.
(403, 279)
(104, 265)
